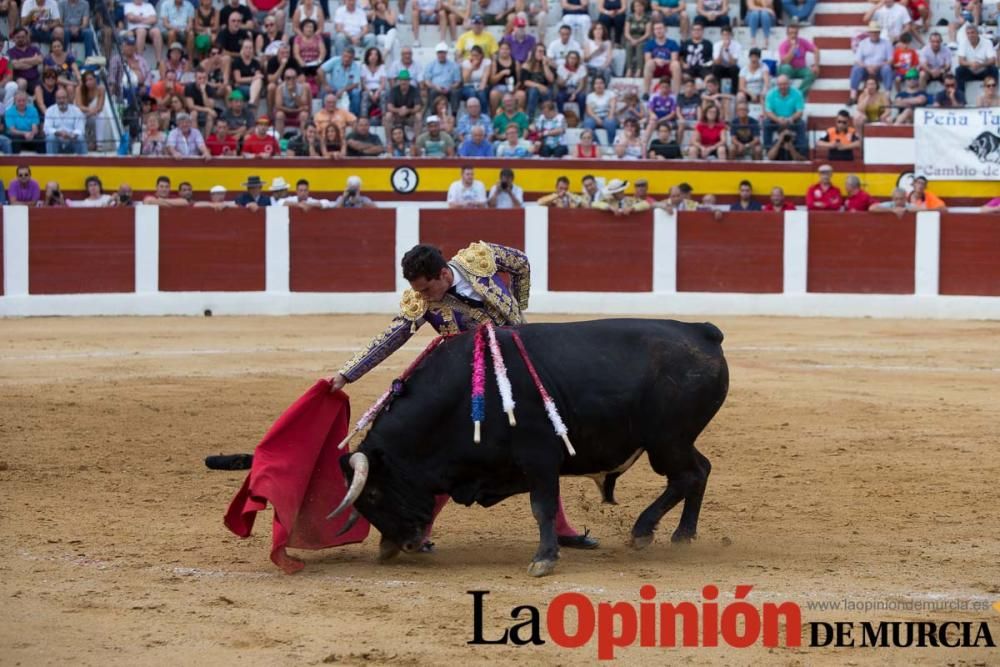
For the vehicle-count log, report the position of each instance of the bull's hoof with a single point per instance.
(387, 551)
(682, 537)
(540, 568)
(639, 542)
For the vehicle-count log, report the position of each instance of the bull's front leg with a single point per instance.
(544, 505)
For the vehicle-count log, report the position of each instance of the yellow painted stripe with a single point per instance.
(531, 176)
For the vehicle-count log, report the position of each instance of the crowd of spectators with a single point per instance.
(266, 78)
(468, 192)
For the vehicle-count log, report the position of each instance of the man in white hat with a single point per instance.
(433, 142)
(279, 189)
(442, 77)
(615, 200)
(216, 199)
(352, 197)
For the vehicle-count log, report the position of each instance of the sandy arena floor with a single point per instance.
(854, 459)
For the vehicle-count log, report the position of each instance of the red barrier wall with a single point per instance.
(861, 253)
(91, 251)
(594, 251)
(970, 254)
(452, 230)
(342, 250)
(1, 252)
(741, 252)
(211, 251)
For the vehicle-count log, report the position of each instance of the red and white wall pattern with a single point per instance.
(153, 261)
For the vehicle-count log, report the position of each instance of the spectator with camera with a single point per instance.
(504, 193)
(783, 110)
(352, 197)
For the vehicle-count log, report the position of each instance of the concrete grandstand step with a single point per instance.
(837, 57)
(842, 8)
(834, 71)
(828, 96)
(833, 42)
(847, 19)
(822, 109)
(831, 84)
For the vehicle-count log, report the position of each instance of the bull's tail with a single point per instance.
(712, 332)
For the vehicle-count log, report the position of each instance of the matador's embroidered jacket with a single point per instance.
(479, 264)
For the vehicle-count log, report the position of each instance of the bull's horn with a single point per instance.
(351, 520)
(359, 462)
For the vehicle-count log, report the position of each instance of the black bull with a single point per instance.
(622, 387)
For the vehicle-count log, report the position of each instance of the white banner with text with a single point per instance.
(958, 144)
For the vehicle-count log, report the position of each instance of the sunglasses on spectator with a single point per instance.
(23, 174)
(949, 85)
(990, 85)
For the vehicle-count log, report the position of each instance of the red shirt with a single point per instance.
(818, 200)
(914, 8)
(903, 59)
(592, 153)
(710, 134)
(859, 201)
(254, 145)
(217, 146)
(785, 206)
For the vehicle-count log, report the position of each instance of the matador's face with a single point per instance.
(433, 289)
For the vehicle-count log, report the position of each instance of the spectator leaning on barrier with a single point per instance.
(216, 199)
(591, 193)
(841, 140)
(186, 192)
(824, 195)
(746, 201)
(24, 189)
(778, 201)
(504, 193)
(562, 197)
(897, 204)
(856, 199)
(992, 206)
(53, 196)
(302, 199)
(467, 192)
(96, 197)
(352, 197)
(615, 200)
(279, 190)
(922, 199)
(162, 195)
(261, 143)
(642, 191)
(254, 197)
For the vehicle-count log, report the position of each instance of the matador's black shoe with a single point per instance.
(229, 461)
(584, 541)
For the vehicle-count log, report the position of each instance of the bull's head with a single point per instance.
(388, 497)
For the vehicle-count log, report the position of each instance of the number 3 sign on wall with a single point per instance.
(404, 180)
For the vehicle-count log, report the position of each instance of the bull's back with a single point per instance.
(628, 383)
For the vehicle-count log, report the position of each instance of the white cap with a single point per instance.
(433, 119)
(217, 190)
(441, 47)
(354, 181)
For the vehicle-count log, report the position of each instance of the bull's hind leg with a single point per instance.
(687, 529)
(686, 473)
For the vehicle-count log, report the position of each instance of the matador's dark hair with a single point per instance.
(423, 261)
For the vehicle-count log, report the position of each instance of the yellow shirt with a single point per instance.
(483, 40)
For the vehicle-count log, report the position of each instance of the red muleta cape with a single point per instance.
(295, 469)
